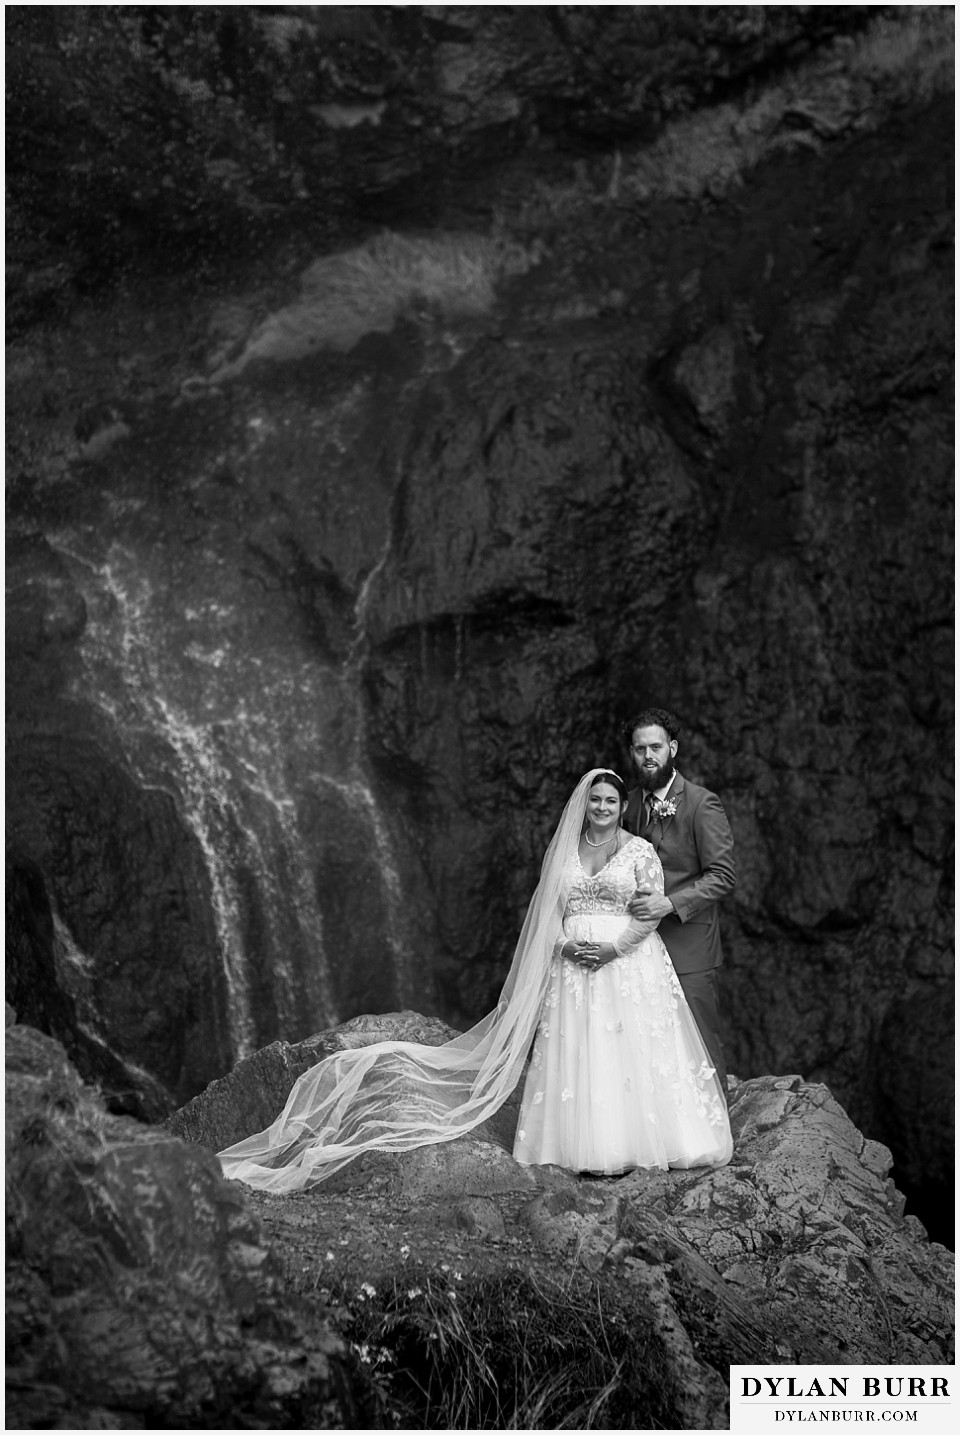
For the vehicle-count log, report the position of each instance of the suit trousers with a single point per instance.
(701, 990)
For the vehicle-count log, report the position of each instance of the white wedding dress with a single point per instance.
(619, 1077)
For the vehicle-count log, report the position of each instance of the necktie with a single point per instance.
(647, 811)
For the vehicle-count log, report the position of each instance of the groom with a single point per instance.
(692, 836)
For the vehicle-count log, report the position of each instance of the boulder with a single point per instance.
(253, 1094)
(806, 1230)
(140, 1291)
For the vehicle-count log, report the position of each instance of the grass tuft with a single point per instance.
(506, 1352)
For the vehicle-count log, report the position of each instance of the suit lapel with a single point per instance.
(675, 795)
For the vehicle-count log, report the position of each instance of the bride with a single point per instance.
(619, 1077)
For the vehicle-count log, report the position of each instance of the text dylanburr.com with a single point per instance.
(765, 1398)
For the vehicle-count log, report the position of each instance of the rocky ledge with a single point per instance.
(145, 1290)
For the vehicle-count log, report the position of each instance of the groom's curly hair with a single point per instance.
(652, 717)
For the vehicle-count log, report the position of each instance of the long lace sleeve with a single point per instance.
(648, 873)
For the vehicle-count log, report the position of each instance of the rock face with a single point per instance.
(140, 1293)
(321, 120)
(797, 1252)
(332, 565)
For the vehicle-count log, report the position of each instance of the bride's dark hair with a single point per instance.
(608, 775)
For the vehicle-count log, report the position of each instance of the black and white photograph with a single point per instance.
(480, 559)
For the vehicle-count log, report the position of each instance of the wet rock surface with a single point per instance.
(334, 562)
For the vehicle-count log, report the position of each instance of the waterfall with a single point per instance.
(74, 966)
(358, 786)
(76, 972)
(261, 746)
(353, 789)
(217, 746)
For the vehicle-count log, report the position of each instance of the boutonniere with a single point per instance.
(664, 807)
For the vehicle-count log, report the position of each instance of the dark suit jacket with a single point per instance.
(695, 847)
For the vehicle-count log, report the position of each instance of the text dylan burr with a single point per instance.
(883, 1387)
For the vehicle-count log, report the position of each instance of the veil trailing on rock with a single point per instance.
(396, 1095)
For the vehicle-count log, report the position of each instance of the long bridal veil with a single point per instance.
(395, 1095)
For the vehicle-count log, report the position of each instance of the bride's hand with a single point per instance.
(590, 956)
(582, 954)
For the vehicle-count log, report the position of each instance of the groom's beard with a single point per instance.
(659, 777)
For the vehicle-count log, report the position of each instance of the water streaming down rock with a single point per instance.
(220, 754)
(359, 801)
(261, 747)
(358, 788)
(130, 1085)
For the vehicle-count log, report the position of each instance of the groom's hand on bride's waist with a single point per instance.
(649, 906)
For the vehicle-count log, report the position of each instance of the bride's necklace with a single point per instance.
(605, 843)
